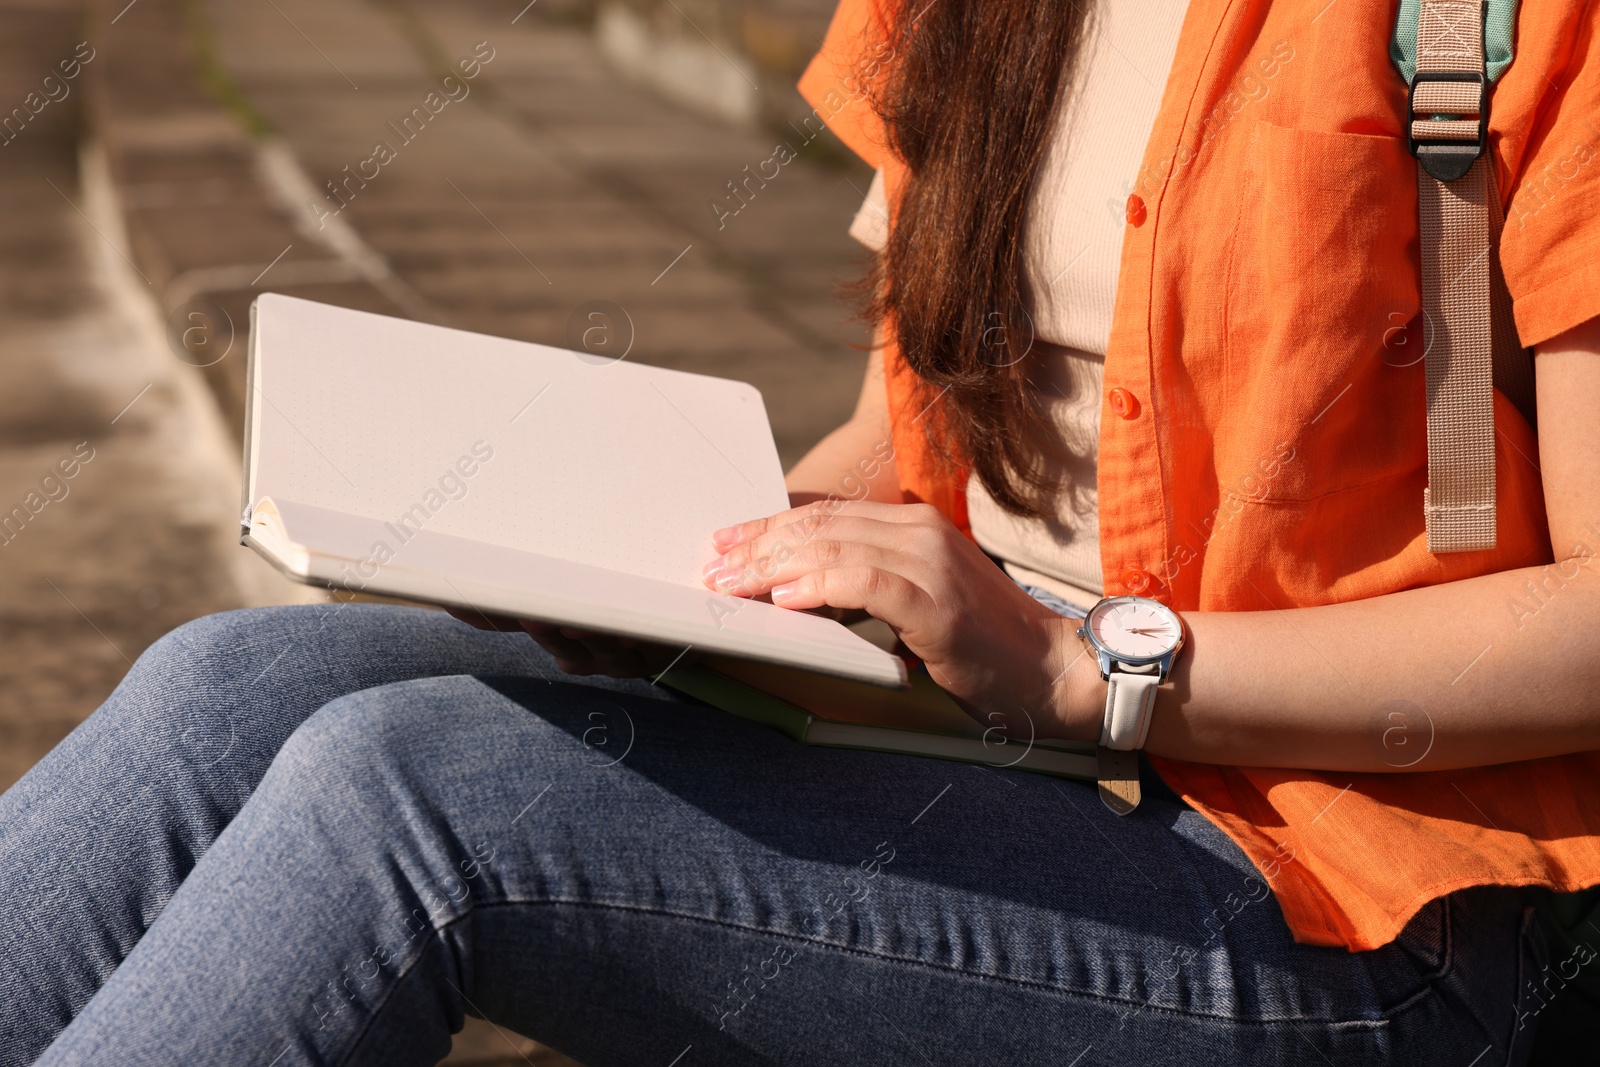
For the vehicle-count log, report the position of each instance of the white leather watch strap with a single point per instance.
(1130, 699)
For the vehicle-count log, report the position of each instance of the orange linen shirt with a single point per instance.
(1263, 438)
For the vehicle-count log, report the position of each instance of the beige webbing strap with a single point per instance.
(1459, 502)
(1457, 265)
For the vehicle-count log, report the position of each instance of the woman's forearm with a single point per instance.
(1492, 669)
(1487, 670)
(855, 461)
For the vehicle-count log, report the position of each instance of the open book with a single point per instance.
(416, 461)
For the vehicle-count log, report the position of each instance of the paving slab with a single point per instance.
(553, 182)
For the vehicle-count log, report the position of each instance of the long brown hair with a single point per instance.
(969, 108)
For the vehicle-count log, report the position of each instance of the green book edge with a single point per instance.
(736, 698)
(754, 705)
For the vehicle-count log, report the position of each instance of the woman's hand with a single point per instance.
(1006, 658)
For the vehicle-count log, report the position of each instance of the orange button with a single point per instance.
(1135, 580)
(1123, 403)
(1136, 211)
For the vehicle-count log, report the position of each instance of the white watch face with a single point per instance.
(1134, 628)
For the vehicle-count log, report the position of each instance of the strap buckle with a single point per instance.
(1448, 158)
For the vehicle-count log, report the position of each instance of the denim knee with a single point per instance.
(409, 736)
(397, 782)
(409, 757)
(214, 651)
(201, 683)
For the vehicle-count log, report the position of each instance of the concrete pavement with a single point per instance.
(117, 476)
(554, 182)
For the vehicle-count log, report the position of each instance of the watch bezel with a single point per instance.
(1109, 658)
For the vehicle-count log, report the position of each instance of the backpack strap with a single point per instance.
(1470, 338)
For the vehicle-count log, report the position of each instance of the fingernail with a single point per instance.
(729, 579)
(709, 573)
(725, 536)
(782, 592)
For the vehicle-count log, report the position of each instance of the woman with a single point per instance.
(322, 835)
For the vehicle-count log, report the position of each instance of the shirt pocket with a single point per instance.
(1322, 365)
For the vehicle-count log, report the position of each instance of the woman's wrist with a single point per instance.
(1077, 697)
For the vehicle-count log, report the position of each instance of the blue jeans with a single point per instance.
(321, 835)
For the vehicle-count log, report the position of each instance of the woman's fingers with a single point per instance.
(569, 648)
(838, 555)
(551, 638)
(612, 656)
(574, 651)
(762, 573)
(584, 652)
(752, 567)
(882, 593)
(816, 515)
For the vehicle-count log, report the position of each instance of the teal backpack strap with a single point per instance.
(1499, 38)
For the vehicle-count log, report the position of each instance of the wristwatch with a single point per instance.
(1135, 640)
